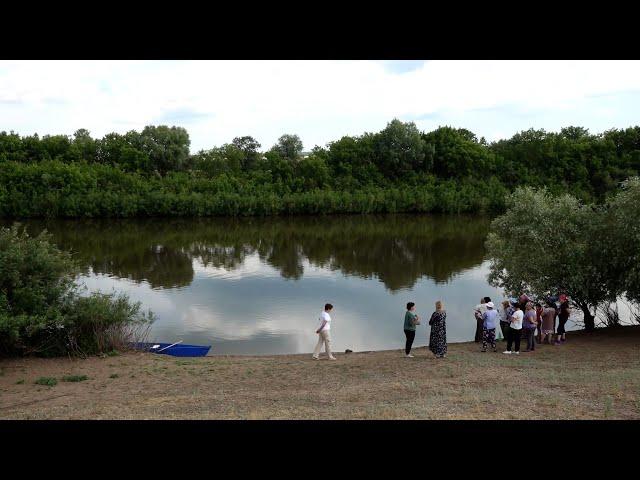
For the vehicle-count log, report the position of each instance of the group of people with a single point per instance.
(537, 321)
(437, 339)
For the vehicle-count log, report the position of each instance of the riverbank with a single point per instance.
(593, 376)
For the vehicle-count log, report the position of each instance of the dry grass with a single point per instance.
(594, 376)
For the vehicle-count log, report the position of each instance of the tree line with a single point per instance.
(399, 169)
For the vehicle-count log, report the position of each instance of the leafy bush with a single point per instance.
(48, 381)
(41, 310)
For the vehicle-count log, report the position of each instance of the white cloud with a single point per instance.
(319, 100)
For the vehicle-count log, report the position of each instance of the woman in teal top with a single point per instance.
(411, 319)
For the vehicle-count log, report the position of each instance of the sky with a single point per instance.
(320, 101)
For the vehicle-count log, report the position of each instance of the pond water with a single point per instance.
(257, 286)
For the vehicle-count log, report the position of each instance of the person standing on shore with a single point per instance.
(323, 333)
(515, 329)
(505, 318)
(529, 325)
(565, 311)
(490, 319)
(548, 321)
(539, 311)
(410, 322)
(438, 334)
(478, 311)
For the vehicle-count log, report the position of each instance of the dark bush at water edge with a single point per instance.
(42, 312)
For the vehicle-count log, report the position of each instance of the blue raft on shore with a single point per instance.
(174, 349)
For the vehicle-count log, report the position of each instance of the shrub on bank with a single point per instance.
(42, 312)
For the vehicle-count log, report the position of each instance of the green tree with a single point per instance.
(400, 149)
(289, 147)
(544, 245)
(167, 147)
(250, 151)
(456, 153)
(84, 147)
(622, 235)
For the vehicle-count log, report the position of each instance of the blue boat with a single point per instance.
(174, 349)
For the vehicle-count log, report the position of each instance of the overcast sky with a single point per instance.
(318, 100)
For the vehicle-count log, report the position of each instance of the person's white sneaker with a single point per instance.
(409, 356)
(517, 353)
(508, 352)
(315, 358)
(332, 358)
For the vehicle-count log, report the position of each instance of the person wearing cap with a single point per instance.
(490, 321)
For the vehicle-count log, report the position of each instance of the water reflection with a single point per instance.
(256, 286)
(395, 249)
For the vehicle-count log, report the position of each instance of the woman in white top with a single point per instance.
(515, 331)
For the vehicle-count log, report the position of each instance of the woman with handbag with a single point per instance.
(438, 335)
(411, 319)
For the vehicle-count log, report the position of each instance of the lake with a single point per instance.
(257, 285)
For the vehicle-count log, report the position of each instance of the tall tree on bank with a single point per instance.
(289, 147)
(545, 245)
(622, 233)
(250, 151)
(167, 148)
(400, 149)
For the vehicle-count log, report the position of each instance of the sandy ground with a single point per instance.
(593, 376)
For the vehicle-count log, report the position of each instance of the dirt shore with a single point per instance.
(592, 376)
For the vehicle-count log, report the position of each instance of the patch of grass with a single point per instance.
(113, 353)
(49, 381)
(608, 407)
(114, 375)
(20, 382)
(75, 378)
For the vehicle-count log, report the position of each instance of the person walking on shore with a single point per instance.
(515, 329)
(478, 311)
(410, 322)
(490, 319)
(323, 333)
(505, 318)
(438, 334)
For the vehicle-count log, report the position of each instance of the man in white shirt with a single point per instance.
(323, 333)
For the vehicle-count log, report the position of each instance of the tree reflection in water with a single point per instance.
(398, 250)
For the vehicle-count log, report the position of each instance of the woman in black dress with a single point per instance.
(438, 335)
